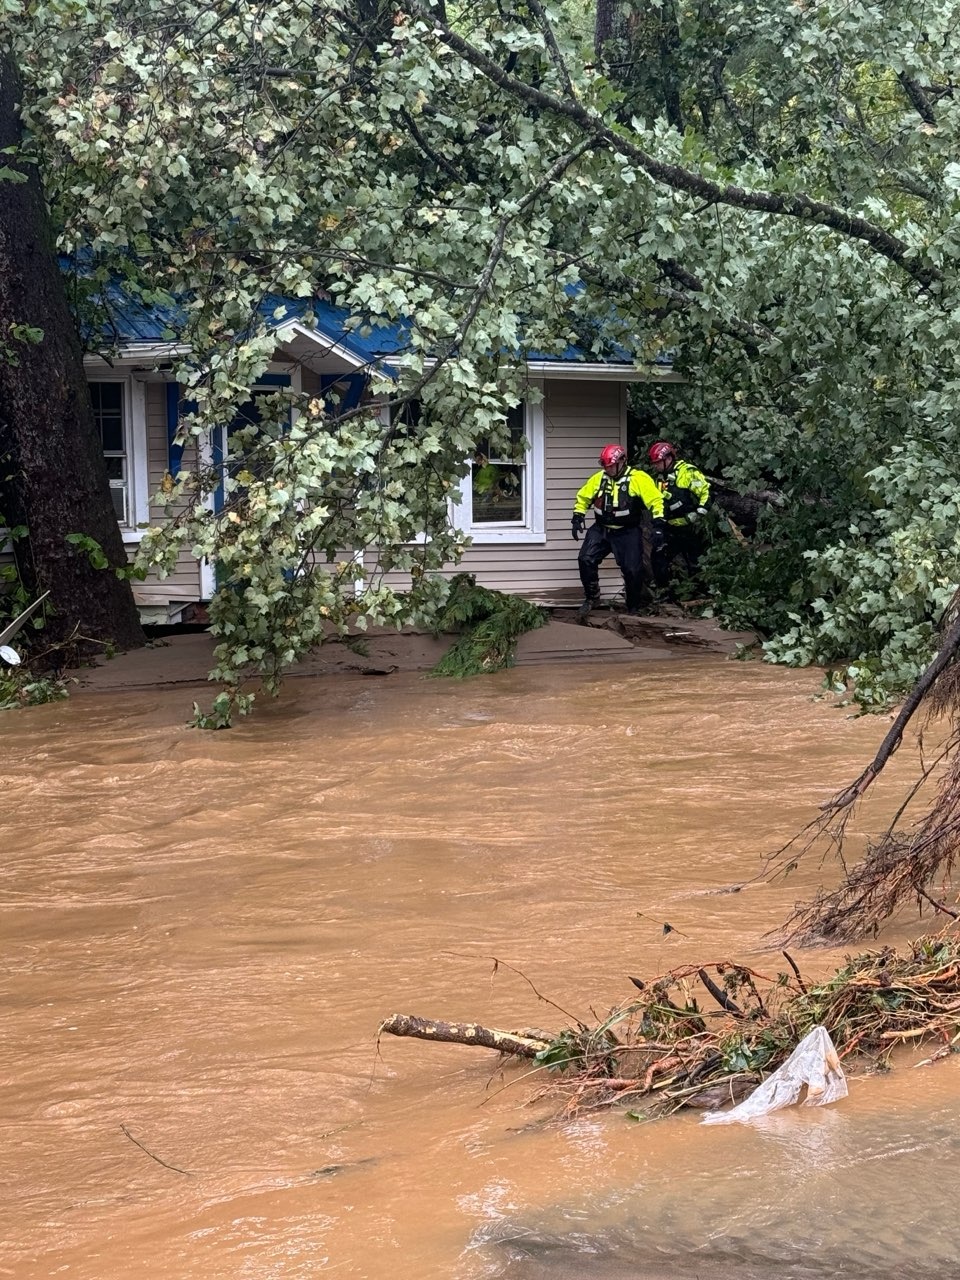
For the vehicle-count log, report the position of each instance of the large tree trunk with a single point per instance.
(54, 478)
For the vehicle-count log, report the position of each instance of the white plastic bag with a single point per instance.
(813, 1065)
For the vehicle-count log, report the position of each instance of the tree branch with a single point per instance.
(469, 1033)
(745, 128)
(552, 45)
(794, 205)
(440, 161)
(921, 103)
(947, 654)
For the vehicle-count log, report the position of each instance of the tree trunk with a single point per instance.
(53, 477)
(745, 508)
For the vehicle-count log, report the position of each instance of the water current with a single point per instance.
(201, 933)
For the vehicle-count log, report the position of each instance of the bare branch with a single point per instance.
(947, 654)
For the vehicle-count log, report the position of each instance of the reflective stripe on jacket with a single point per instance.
(616, 502)
(684, 489)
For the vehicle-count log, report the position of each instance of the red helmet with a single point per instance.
(662, 450)
(612, 455)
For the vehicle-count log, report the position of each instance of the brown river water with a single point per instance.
(202, 931)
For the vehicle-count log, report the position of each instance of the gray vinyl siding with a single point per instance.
(579, 419)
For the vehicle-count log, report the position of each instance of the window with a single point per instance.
(228, 458)
(109, 413)
(498, 477)
(502, 495)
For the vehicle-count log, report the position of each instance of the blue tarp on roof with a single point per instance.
(367, 342)
(127, 321)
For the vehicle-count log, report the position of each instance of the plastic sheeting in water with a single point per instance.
(814, 1065)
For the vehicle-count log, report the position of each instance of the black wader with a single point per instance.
(627, 548)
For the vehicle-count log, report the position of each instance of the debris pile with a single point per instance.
(663, 1051)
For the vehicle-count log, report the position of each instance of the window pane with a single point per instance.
(248, 415)
(498, 475)
(107, 400)
(107, 397)
(497, 492)
(515, 450)
(119, 494)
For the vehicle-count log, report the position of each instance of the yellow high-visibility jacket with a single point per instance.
(611, 499)
(684, 489)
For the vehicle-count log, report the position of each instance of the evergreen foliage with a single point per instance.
(490, 624)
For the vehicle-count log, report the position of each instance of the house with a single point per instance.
(517, 513)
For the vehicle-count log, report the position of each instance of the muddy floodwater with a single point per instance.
(202, 931)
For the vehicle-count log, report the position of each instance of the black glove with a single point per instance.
(577, 525)
(658, 536)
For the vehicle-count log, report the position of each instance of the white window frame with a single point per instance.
(532, 528)
(134, 411)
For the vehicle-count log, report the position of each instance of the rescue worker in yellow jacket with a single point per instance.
(619, 495)
(685, 492)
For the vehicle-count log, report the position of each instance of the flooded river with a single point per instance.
(202, 931)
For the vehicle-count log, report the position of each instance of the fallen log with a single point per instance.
(471, 1033)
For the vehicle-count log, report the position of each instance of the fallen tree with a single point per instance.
(662, 1051)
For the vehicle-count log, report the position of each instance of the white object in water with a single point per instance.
(6, 653)
(814, 1065)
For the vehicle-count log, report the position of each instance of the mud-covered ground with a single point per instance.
(186, 658)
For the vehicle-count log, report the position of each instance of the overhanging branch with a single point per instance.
(793, 205)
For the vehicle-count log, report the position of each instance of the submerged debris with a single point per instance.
(662, 1051)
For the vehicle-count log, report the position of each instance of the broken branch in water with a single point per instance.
(665, 1055)
(471, 1033)
(137, 1143)
(721, 997)
(899, 866)
(793, 965)
(893, 738)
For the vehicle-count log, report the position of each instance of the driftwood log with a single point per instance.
(470, 1033)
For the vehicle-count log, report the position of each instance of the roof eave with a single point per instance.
(136, 353)
(600, 371)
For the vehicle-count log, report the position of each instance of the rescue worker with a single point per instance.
(685, 492)
(619, 495)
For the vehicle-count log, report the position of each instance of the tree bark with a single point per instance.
(471, 1033)
(53, 477)
(745, 508)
